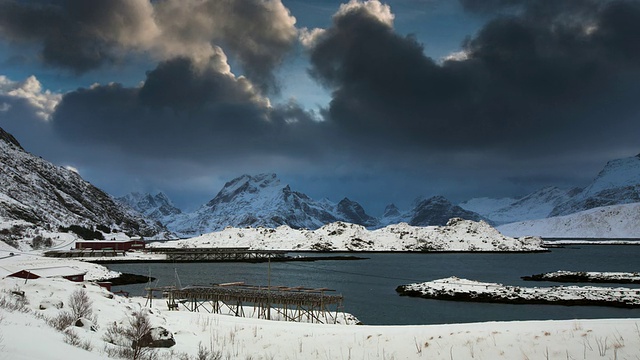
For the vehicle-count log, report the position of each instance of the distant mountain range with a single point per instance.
(263, 200)
(40, 194)
(617, 183)
(37, 194)
(605, 222)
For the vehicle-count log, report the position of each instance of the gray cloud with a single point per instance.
(258, 33)
(82, 36)
(75, 34)
(188, 111)
(529, 88)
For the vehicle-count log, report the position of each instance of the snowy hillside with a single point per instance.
(457, 235)
(536, 205)
(40, 195)
(157, 207)
(618, 183)
(485, 205)
(616, 221)
(28, 333)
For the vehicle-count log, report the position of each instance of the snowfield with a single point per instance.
(609, 222)
(246, 338)
(457, 235)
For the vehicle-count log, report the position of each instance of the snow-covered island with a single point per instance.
(454, 288)
(457, 235)
(587, 276)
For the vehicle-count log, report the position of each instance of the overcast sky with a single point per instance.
(379, 102)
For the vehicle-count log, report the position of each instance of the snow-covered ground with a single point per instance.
(457, 235)
(616, 221)
(470, 290)
(246, 338)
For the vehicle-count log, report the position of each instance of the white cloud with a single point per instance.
(374, 7)
(43, 102)
(308, 38)
(456, 56)
(71, 168)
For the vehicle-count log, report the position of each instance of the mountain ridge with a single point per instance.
(45, 196)
(263, 200)
(617, 183)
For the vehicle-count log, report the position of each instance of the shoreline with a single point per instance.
(339, 256)
(287, 259)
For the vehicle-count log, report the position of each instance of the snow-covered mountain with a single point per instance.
(615, 221)
(536, 205)
(436, 210)
(618, 183)
(263, 200)
(157, 207)
(39, 194)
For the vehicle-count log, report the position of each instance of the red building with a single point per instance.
(65, 272)
(124, 245)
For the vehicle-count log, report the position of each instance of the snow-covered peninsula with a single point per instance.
(457, 235)
(454, 288)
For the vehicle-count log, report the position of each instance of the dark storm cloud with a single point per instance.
(567, 79)
(185, 110)
(74, 34)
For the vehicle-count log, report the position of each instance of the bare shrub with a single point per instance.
(127, 338)
(14, 300)
(207, 354)
(40, 242)
(80, 304)
(72, 338)
(62, 321)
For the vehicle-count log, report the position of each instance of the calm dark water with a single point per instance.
(368, 286)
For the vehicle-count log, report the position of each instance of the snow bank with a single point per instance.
(244, 338)
(454, 288)
(587, 276)
(457, 235)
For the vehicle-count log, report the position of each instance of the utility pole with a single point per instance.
(269, 288)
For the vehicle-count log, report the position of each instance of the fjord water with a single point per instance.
(368, 286)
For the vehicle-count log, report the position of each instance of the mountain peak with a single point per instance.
(437, 210)
(9, 139)
(391, 210)
(355, 213)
